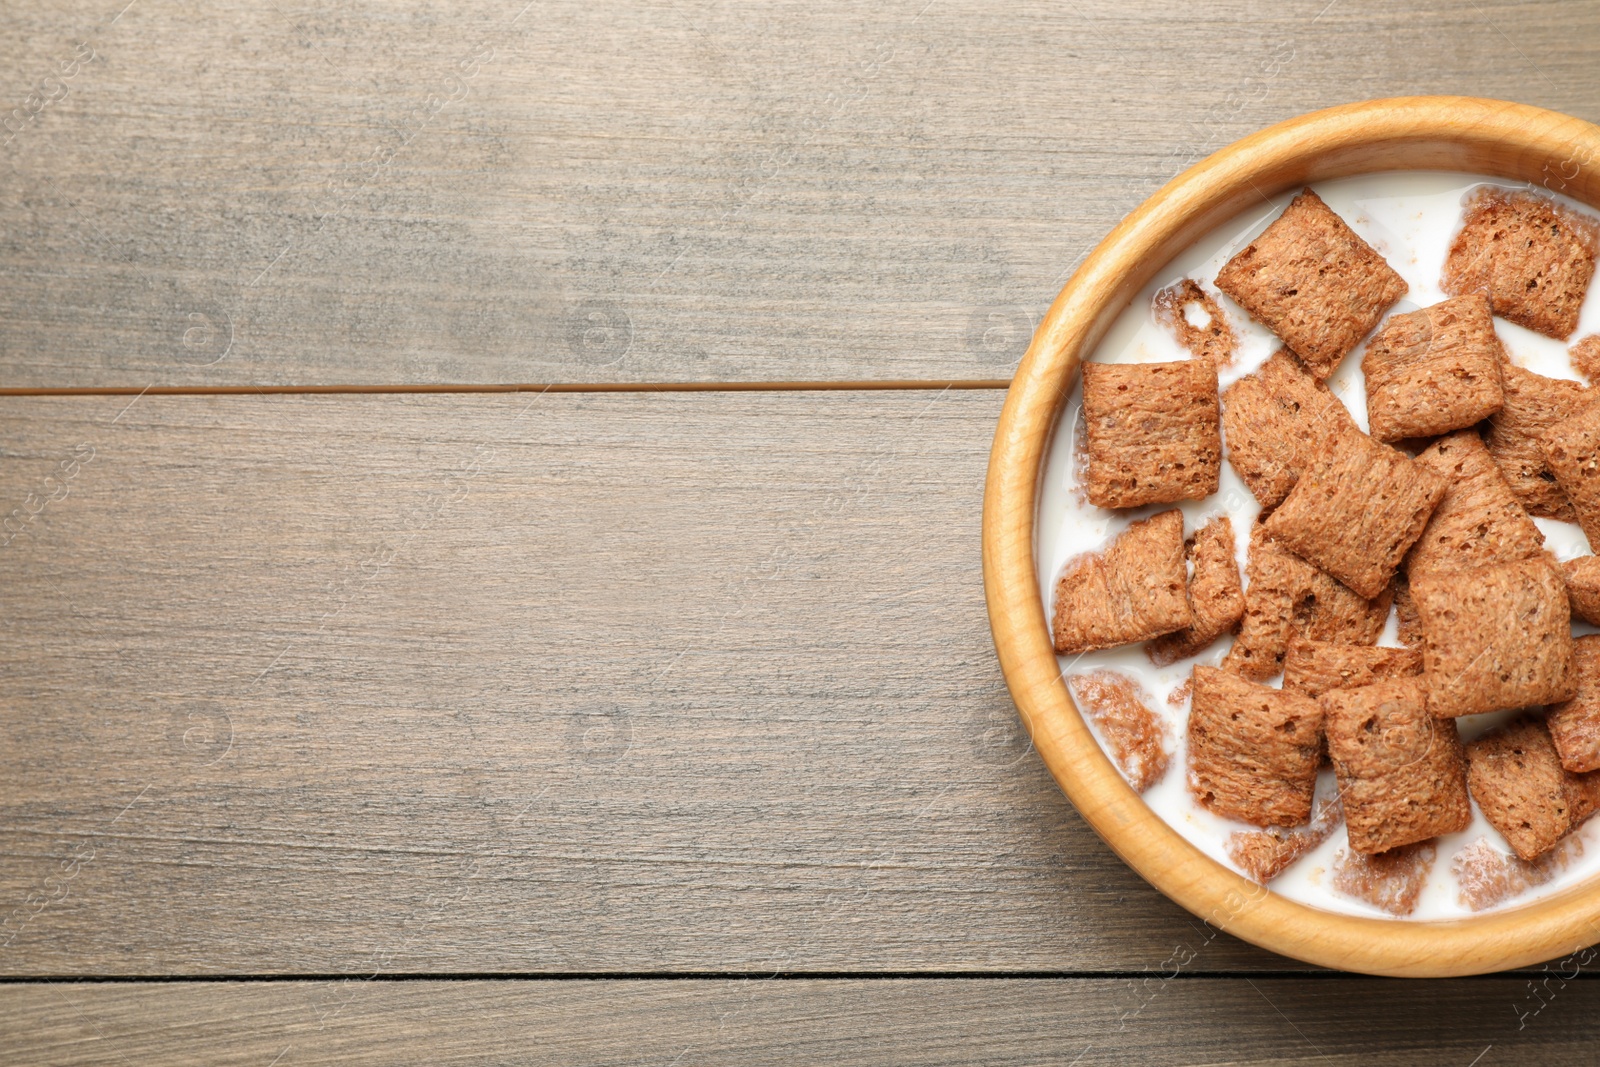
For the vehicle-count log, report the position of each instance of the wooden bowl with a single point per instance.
(1487, 137)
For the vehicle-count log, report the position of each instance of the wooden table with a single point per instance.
(491, 567)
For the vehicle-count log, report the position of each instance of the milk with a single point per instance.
(1410, 218)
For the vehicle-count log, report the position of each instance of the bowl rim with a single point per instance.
(1495, 138)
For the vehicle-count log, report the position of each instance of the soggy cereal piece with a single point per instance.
(1479, 520)
(1487, 876)
(1315, 667)
(1409, 624)
(1274, 420)
(1392, 881)
(1134, 591)
(1253, 750)
(1135, 735)
(1582, 576)
(1585, 357)
(1216, 596)
(1520, 786)
(1312, 281)
(1575, 724)
(1402, 775)
(1264, 854)
(1179, 697)
(1533, 403)
(1433, 371)
(1529, 255)
(1288, 598)
(1215, 340)
(1494, 637)
(1153, 432)
(1080, 456)
(1572, 452)
(1356, 510)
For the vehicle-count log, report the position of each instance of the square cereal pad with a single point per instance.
(1575, 723)
(1133, 591)
(1432, 371)
(1529, 255)
(1316, 667)
(1572, 452)
(1402, 772)
(1216, 595)
(1582, 576)
(1288, 599)
(1274, 420)
(1479, 520)
(1517, 779)
(1533, 404)
(1253, 750)
(1356, 510)
(1314, 282)
(1494, 638)
(1152, 431)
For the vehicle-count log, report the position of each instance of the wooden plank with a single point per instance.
(1084, 1022)
(692, 681)
(396, 192)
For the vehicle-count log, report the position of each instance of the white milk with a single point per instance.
(1409, 218)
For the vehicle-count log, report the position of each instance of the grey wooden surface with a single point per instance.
(528, 683)
(477, 191)
(537, 688)
(851, 1023)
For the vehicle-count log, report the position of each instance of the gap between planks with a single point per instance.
(1087, 975)
(673, 976)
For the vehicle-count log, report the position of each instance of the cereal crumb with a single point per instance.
(1215, 340)
(1390, 880)
(1136, 736)
(1488, 876)
(1265, 854)
(1080, 458)
(1585, 356)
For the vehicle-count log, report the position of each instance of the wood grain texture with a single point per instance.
(427, 192)
(525, 683)
(1083, 1022)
